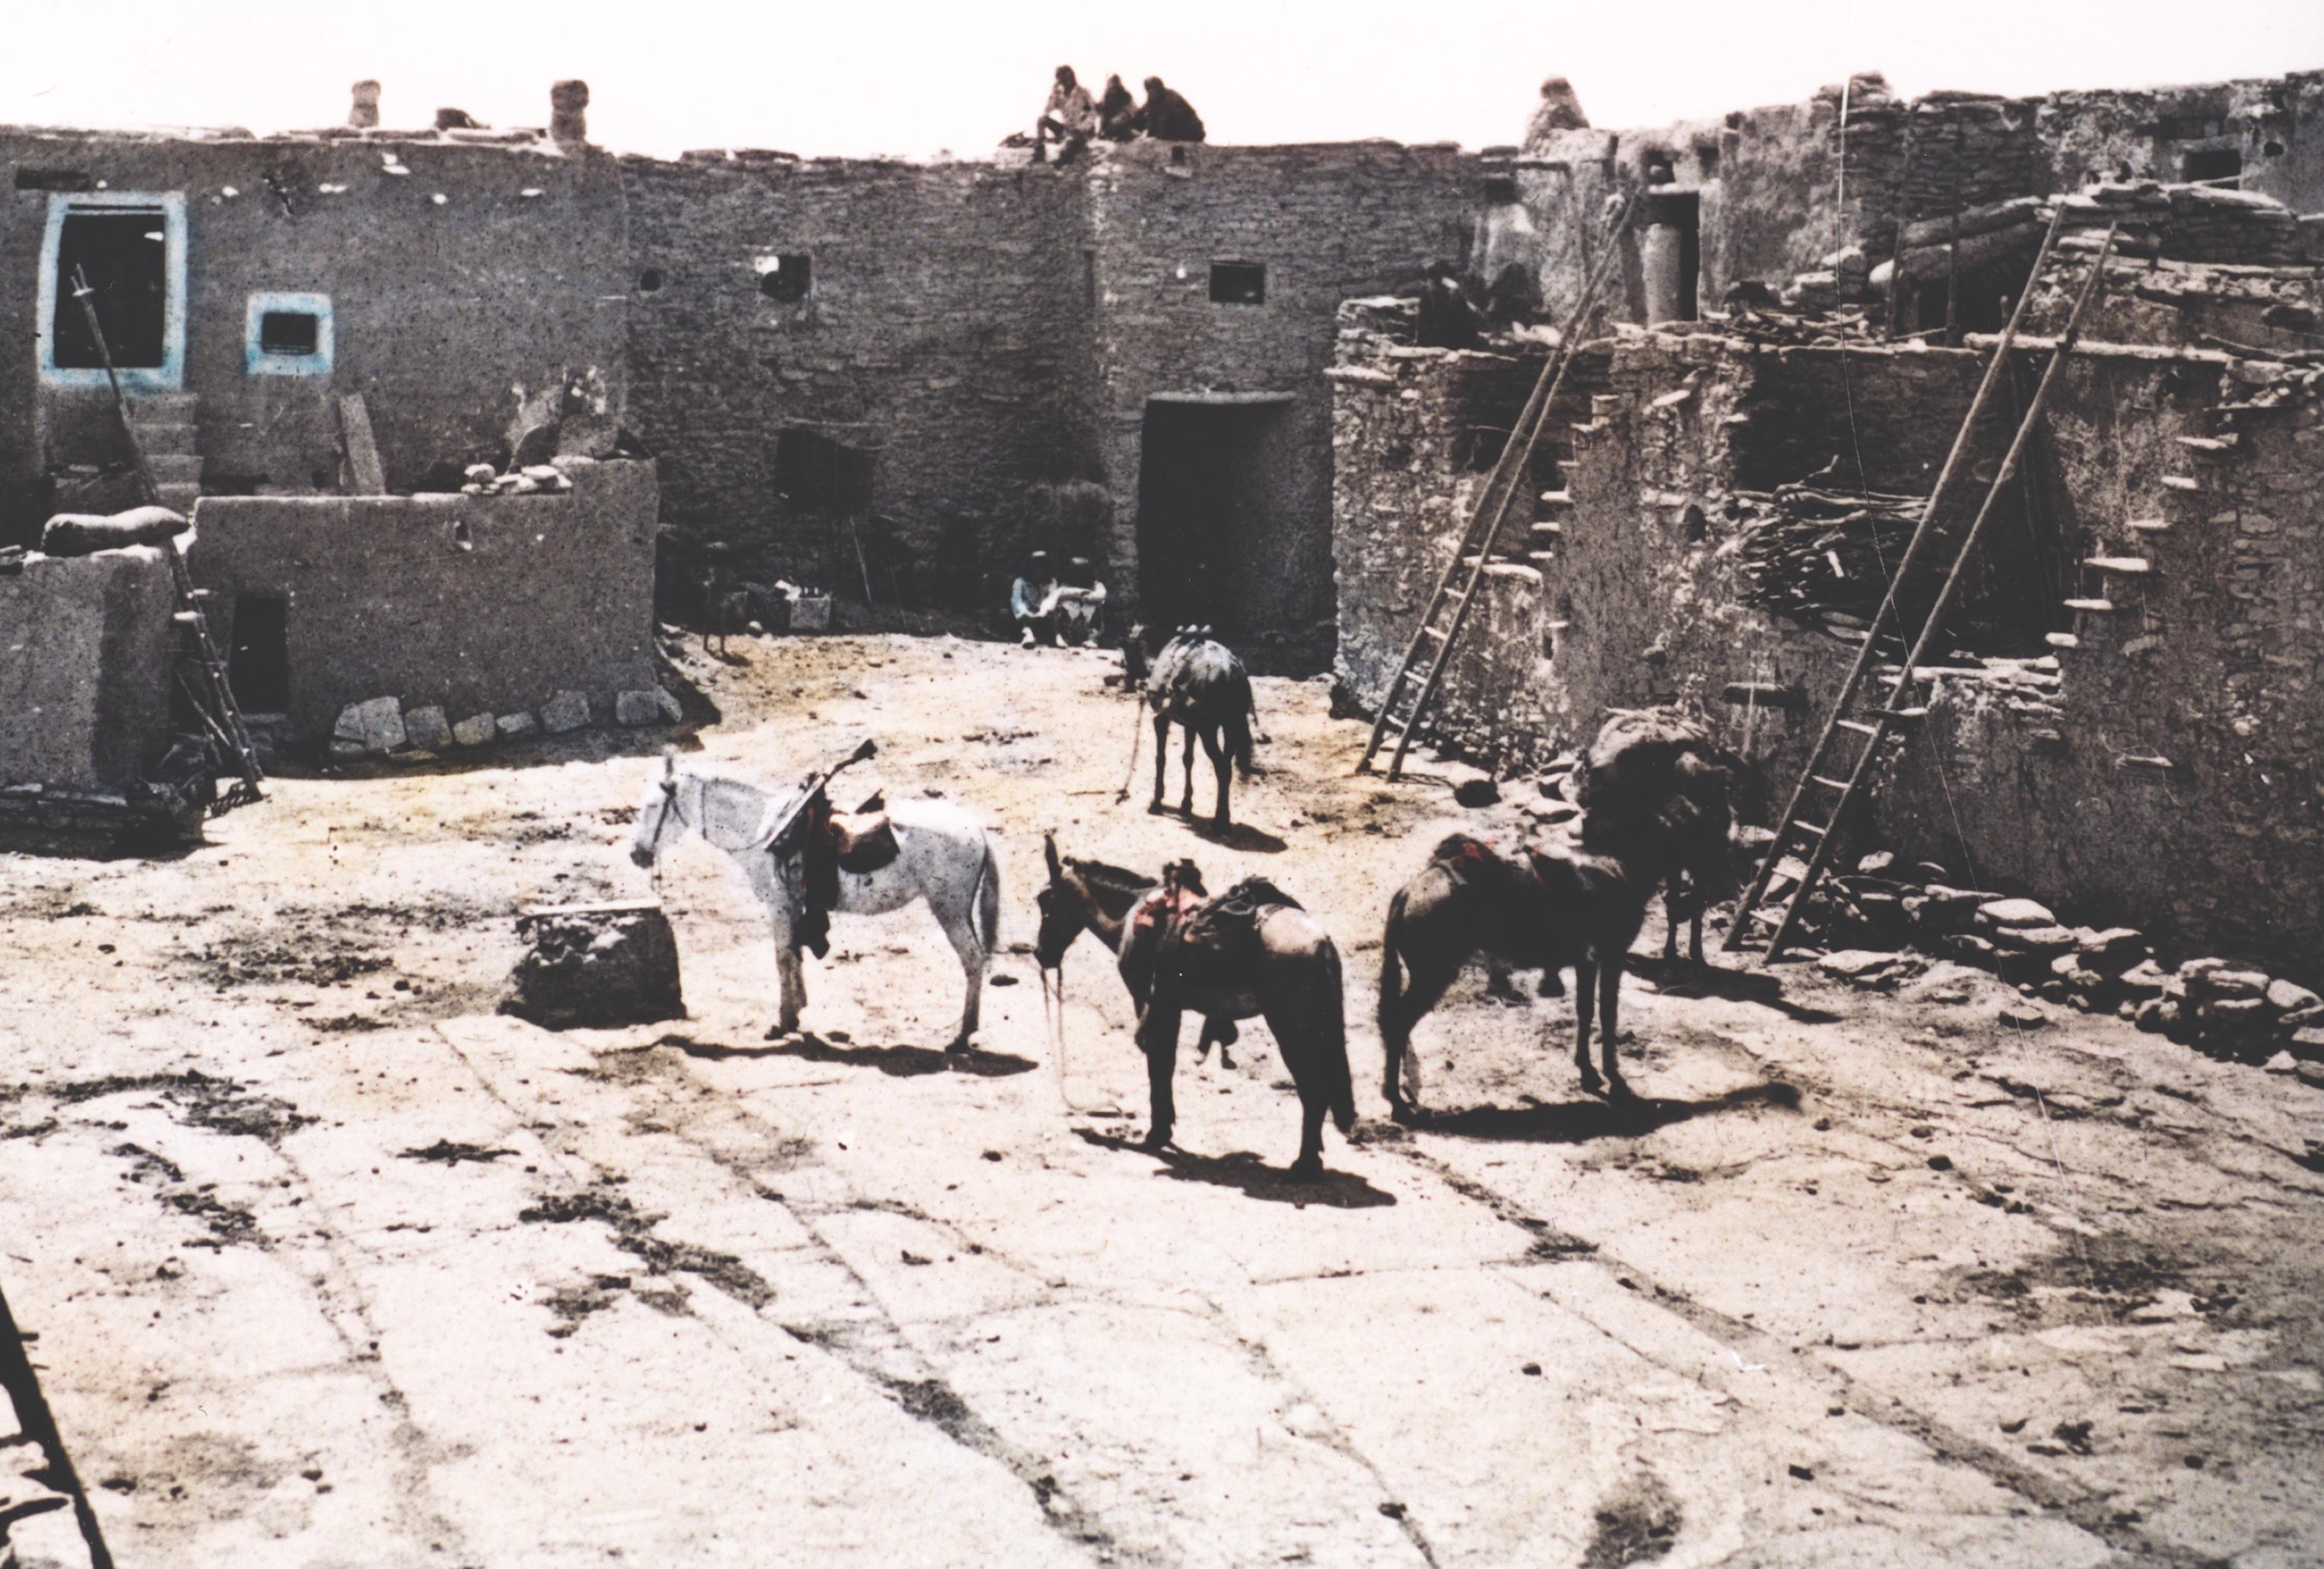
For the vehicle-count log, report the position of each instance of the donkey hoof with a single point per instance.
(1154, 808)
(1402, 1112)
(1306, 1169)
(1155, 1141)
(1590, 1083)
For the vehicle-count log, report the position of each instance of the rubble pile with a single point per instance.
(532, 480)
(2221, 1008)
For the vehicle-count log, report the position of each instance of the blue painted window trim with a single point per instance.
(171, 373)
(257, 362)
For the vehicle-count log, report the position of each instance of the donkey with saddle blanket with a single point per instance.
(1250, 952)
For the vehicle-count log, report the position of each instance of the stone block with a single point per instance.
(671, 710)
(811, 613)
(2144, 979)
(2288, 999)
(2016, 912)
(376, 726)
(634, 709)
(2111, 952)
(568, 711)
(2040, 939)
(597, 966)
(475, 731)
(2237, 983)
(512, 725)
(426, 730)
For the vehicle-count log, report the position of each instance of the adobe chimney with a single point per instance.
(363, 115)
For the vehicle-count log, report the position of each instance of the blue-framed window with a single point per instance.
(286, 334)
(130, 248)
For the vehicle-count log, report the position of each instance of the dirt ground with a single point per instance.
(332, 1265)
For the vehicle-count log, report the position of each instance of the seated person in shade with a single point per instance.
(1117, 112)
(1076, 603)
(1069, 117)
(1447, 319)
(1166, 116)
(1030, 602)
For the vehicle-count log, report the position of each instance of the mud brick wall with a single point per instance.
(478, 603)
(946, 303)
(463, 278)
(86, 648)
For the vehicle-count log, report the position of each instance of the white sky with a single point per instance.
(914, 77)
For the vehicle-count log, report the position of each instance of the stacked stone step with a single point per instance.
(164, 424)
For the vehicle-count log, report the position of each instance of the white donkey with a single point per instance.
(945, 858)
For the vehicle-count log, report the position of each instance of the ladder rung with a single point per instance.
(1432, 631)
(1834, 784)
(188, 617)
(1859, 727)
(2095, 607)
(1905, 714)
(1805, 826)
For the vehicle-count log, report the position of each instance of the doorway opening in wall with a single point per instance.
(818, 477)
(258, 666)
(125, 254)
(2212, 165)
(1680, 214)
(1228, 535)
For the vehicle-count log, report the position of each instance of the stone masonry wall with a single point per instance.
(2158, 769)
(944, 306)
(1783, 188)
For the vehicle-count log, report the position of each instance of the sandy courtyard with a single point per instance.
(330, 1265)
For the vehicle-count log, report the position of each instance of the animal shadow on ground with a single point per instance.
(1250, 1175)
(896, 1062)
(1240, 836)
(1580, 1121)
(1686, 979)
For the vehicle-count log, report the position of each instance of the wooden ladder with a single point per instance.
(1448, 608)
(201, 670)
(1867, 729)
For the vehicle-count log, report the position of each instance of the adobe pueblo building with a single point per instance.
(1188, 364)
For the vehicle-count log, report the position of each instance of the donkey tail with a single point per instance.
(1236, 727)
(1332, 1030)
(985, 899)
(1391, 981)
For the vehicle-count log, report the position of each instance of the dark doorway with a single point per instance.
(1223, 539)
(258, 668)
(814, 473)
(2212, 165)
(125, 253)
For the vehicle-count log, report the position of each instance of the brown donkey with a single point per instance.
(1251, 952)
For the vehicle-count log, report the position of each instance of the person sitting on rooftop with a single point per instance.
(1117, 112)
(1166, 116)
(1069, 117)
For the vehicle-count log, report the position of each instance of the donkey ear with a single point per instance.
(1049, 848)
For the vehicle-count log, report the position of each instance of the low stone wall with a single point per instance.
(85, 650)
(463, 604)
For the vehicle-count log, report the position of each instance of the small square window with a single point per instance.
(1238, 283)
(786, 278)
(288, 332)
